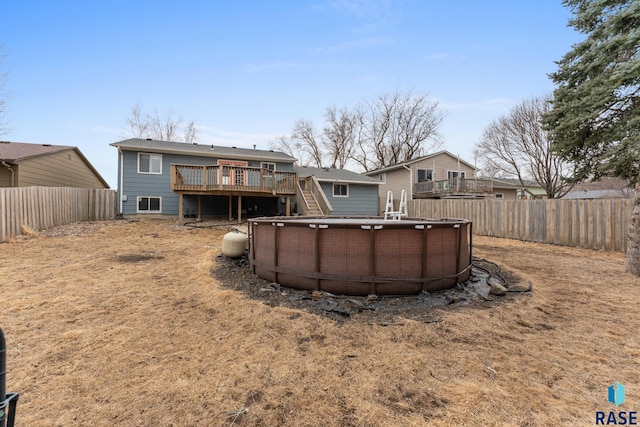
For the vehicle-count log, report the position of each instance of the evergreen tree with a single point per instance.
(595, 114)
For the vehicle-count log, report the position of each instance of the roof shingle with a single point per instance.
(206, 150)
(16, 151)
(334, 175)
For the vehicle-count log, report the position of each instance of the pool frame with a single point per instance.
(361, 255)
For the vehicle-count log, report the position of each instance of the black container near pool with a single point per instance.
(361, 255)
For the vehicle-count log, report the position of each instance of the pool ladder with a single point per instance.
(402, 208)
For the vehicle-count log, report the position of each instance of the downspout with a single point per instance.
(410, 181)
(120, 189)
(13, 176)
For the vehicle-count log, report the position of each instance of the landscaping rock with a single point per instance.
(497, 289)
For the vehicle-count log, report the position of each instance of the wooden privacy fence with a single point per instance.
(592, 224)
(41, 208)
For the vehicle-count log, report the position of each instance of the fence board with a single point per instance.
(42, 208)
(594, 224)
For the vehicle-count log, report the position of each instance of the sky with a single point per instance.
(245, 71)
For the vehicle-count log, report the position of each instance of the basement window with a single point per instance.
(149, 204)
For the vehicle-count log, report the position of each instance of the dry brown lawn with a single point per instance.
(122, 323)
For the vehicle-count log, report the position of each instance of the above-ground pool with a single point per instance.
(361, 255)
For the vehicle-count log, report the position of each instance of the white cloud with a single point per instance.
(444, 56)
(438, 56)
(357, 44)
(268, 66)
(365, 10)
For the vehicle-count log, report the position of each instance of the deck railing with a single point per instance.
(453, 185)
(216, 178)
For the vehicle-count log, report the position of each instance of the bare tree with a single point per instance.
(308, 142)
(340, 130)
(190, 132)
(137, 122)
(303, 144)
(167, 128)
(398, 127)
(391, 129)
(286, 145)
(516, 145)
(491, 170)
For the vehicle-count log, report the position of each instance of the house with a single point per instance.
(24, 165)
(604, 188)
(513, 189)
(345, 192)
(198, 180)
(437, 175)
(195, 180)
(443, 175)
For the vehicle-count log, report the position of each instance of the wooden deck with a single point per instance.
(454, 187)
(231, 180)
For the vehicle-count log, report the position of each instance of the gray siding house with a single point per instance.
(194, 180)
(197, 180)
(348, 193)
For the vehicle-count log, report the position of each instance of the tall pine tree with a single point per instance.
(595, 116)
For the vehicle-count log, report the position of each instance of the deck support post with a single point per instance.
(239, 208)
(287, 208)
(180, 206)
(230, 208)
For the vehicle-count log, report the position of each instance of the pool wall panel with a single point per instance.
(361, 256)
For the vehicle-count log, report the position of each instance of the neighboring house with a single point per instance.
(437, 175)
(443, 175)
(605, 188)
(23, 165)
(512, 189)
(347, 193)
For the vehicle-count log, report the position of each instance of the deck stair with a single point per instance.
(314, 209)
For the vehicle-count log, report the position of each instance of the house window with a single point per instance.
(149, 163)
(149, 204)
(456, 174)
(268, 165)
(425, 175)
(340, 190)
(383, 177)
(499, 195)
